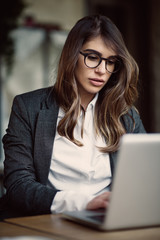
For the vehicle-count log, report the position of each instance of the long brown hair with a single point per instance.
(115, 98)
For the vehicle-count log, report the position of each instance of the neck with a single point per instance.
(85, 100)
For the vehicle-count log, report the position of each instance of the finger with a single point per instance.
(97, 203)
(104, 196)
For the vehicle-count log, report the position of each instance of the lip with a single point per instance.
(96, 81)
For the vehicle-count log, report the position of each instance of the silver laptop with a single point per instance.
(135, 199)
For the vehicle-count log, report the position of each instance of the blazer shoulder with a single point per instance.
(40, 98)
(38, 94)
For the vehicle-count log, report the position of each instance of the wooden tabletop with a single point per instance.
(56, 227)
(9, 230)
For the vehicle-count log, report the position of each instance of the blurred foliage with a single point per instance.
(10, 11)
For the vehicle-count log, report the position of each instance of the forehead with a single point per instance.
(101, 46)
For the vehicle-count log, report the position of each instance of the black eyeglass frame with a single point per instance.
(118, 60)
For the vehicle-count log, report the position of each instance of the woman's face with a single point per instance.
(91, 80)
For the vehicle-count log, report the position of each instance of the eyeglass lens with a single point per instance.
(93, 60)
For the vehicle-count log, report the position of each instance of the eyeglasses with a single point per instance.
(93, 60)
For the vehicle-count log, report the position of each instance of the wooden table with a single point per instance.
(8, 230)
(55, 227)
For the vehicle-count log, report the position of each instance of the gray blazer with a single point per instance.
(28, 144)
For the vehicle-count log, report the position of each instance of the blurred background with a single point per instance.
(32, 34)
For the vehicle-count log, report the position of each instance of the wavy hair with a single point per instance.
(115, 98)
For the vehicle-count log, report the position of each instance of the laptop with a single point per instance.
(135, 198)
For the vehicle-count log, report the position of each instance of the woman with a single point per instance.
(61, 142)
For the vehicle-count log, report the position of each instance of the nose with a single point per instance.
(101, 68)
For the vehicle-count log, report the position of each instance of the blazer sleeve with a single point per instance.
(24, 192)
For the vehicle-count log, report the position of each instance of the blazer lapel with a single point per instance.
(44, 137)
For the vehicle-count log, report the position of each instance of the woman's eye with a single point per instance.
(93, 57)
(111, 61)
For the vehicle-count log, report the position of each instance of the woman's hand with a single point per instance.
(101, 201)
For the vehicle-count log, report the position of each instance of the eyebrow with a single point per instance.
(92, 50)
(96, 52)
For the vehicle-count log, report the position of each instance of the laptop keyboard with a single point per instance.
(99, 215)
(99, 218)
